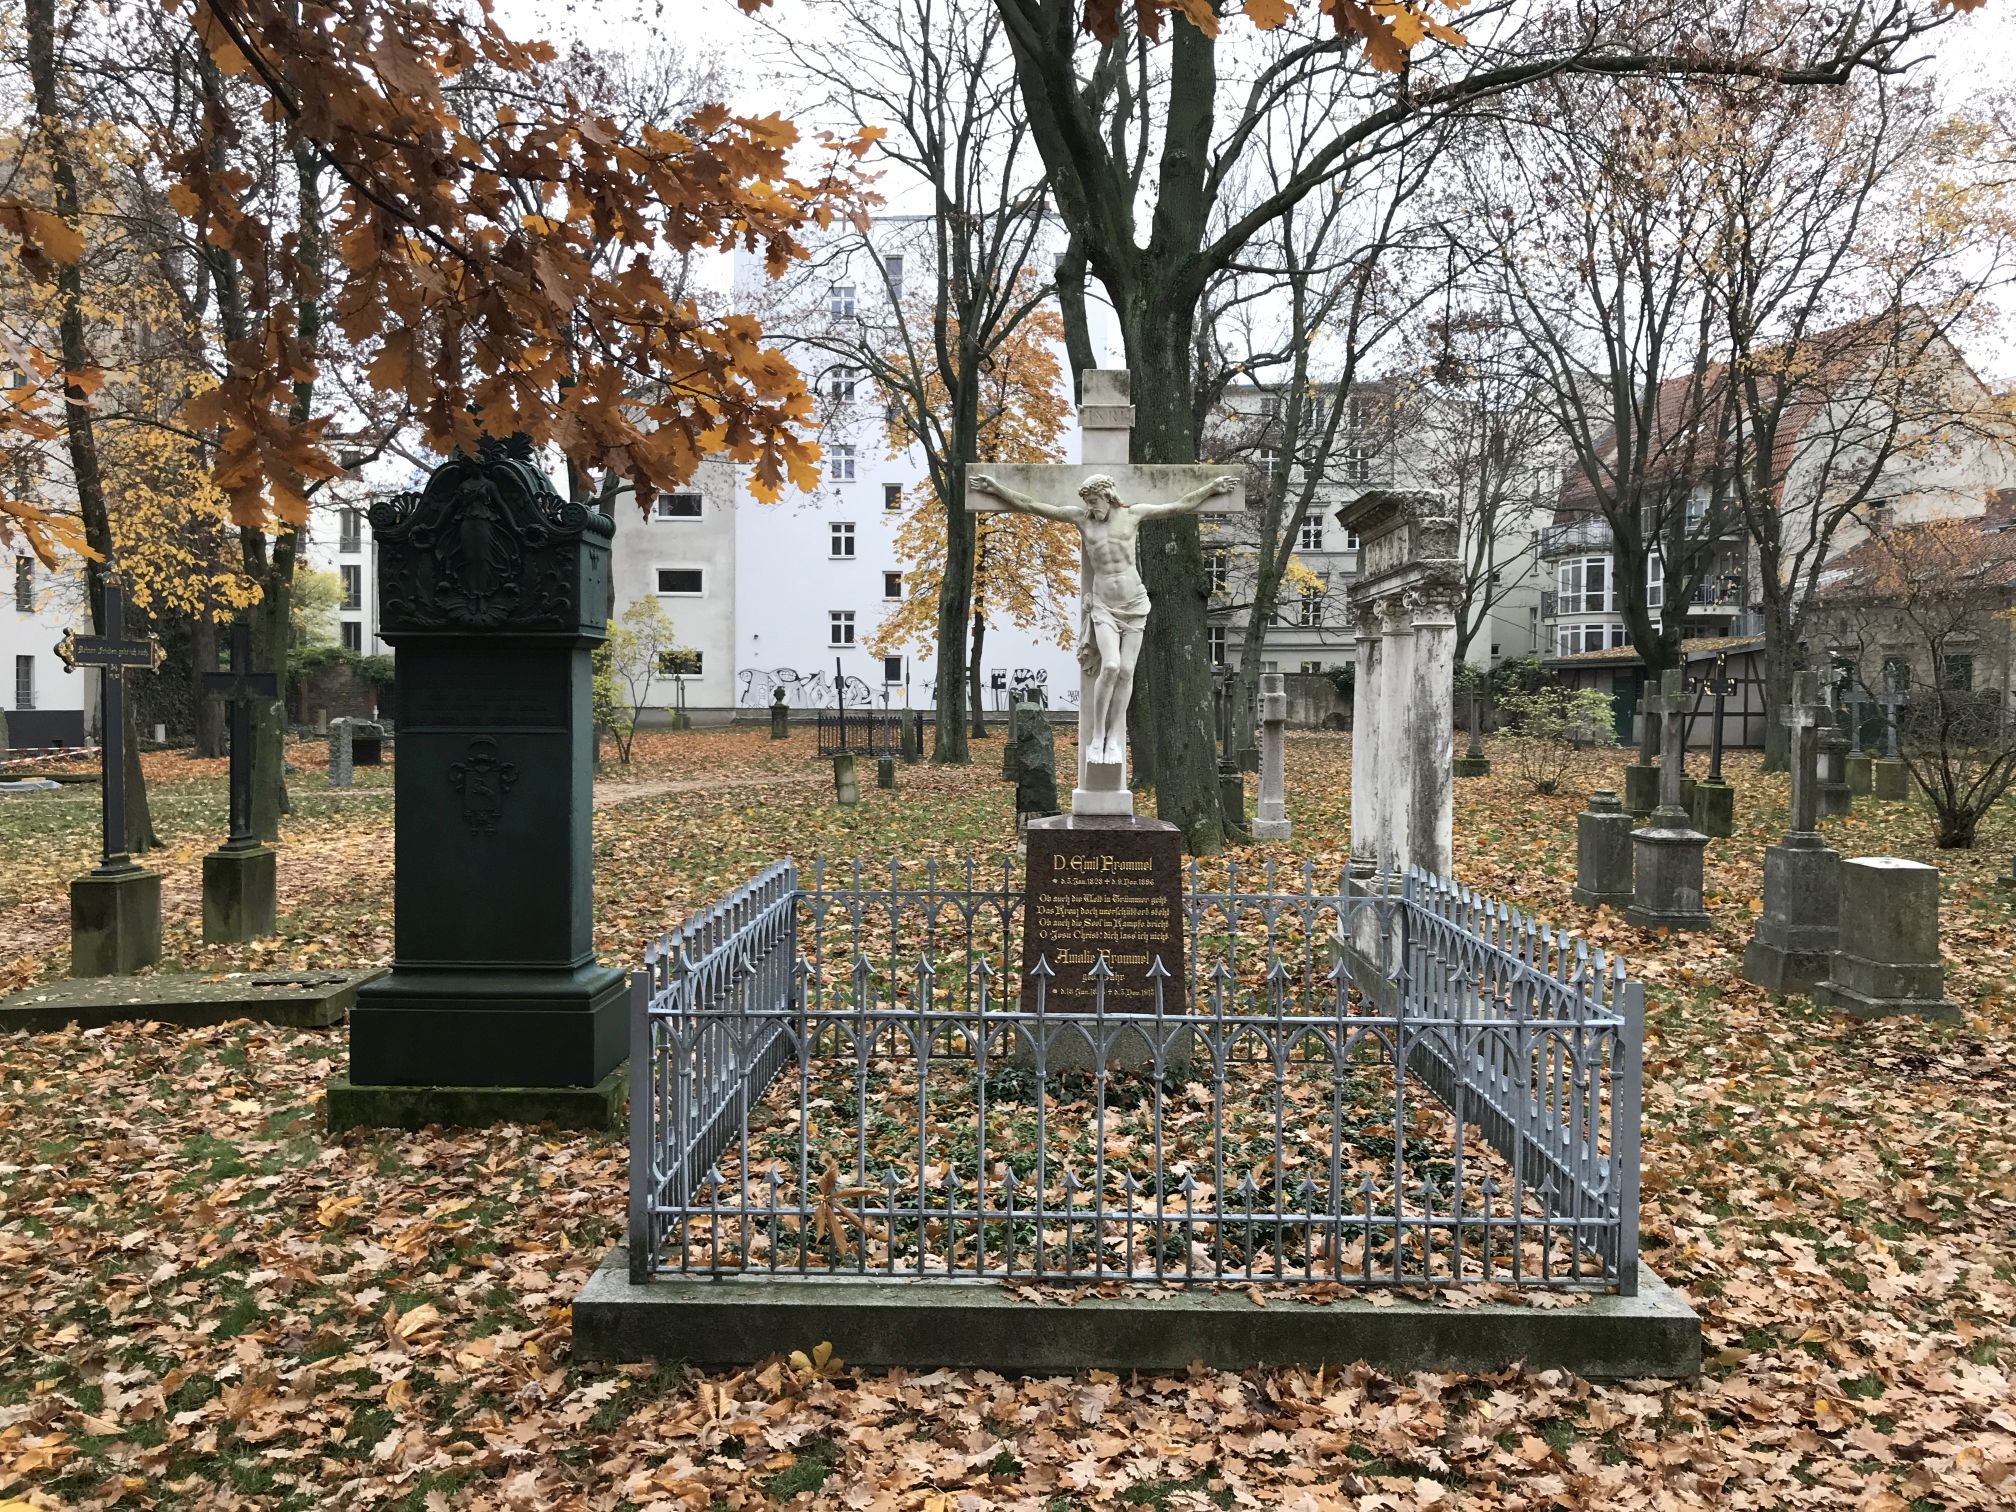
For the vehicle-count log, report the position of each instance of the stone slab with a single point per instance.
(303, 999)
(598, 1109)
(1470, 766)
(982, 1325)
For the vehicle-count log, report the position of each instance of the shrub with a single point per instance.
(1545, 728)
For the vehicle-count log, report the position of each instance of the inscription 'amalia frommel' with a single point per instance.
(1099, 864)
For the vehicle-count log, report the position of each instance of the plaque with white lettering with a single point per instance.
(1111, 885)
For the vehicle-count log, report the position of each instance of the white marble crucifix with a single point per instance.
(1107, 498)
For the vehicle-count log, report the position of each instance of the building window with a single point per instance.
(1309, 611)
(24, 584)
(840, 627)
(1312, 666)
(840, 302)
(1265, 458)
(1311, 537)
(1350, 540)
(681, 663)
(892, 269)
(1357, 463)
(682, 582)
(353, 635)
(1956, 672)
(1583, 585)
(840, 540)
(1217, 569)
(892, 669)
(353, 585)
(1494, 650)
(842, 385)
(1217, 638)
(840, 465)
(24, 682)
(892, 497)
(1571, 639)
(676, 506)
(892, 585)
(1315, 410)
(350, 530)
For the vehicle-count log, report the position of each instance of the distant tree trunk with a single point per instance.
(955, 587)
(973, 677)
(207, 716)
(87, 475)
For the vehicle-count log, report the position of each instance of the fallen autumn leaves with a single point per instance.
(213, 1307)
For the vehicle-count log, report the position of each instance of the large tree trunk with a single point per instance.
(87, 476)
(1781, 653)
(955, 587)
(973, 676)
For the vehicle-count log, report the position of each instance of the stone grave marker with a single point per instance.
(367, 742)
(1835, 796)
(341, 759)
(1888, 960)
(240, 896)
(115, 910)
(1714, 801)
(1603, 853)
(1473, 762)
(1271, 823)
(846, 783)
(780, 716)
(885, 771)
(1797, 927)
(1032, 745)
(1890, 778)
(1667, 854)
(494, 590)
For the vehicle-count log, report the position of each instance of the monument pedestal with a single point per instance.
(1103, 887)
(1105, 793)
(1603, 853)
(1666, 890)
(1715, 809)
(1470, 766)
(240, 897)
(493, 589)
(1888, 962)
(115, 922)
(1800, 922)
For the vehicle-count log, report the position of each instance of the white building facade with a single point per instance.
(44, 703)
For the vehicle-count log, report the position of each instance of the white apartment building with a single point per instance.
(43, 703)
(681, 551)
(338, 540)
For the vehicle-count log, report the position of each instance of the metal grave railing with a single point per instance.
(1392, 1082)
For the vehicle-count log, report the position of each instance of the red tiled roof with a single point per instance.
(1706, 648)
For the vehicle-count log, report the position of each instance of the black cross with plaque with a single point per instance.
(1721, 685)
(110, 655)
(241, 688)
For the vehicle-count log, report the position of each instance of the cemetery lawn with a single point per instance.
(210, 1305)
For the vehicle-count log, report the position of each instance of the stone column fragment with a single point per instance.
(1271, 823)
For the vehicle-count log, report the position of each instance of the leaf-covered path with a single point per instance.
(209, 1305)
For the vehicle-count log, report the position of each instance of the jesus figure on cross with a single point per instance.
(1114, 599)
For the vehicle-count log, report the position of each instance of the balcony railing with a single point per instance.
(1591, 534)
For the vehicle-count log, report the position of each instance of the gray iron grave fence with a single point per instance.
(1405, 1083)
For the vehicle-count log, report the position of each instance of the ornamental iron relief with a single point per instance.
(482, 778)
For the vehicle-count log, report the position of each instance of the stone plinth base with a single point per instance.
(1272, 829)
(924, 1324)
(1603, 853)
(1470, 766)
(1715, 809)
(303, 999)
(1105, 793)
(1666, 874)
(1891, 781)
(1861, 773)
(598, 1108)
(1799, 925)
(885, 772)
(1888, 962)
(1641, 790)
(520, 1029)
(240, 900)
(115, 922)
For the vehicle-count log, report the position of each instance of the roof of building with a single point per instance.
(1858, 571)
(1707, 648)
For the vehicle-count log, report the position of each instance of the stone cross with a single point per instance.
(240, 689)
(1892, 701)
(1858, 701)
(110, 655)
(1672, 703)
(1803, 718)
(1106, 424)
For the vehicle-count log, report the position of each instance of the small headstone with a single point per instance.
(1603, 853)
(1473, 762)
(340, 754)
(911, 744)
(780, 716)
(1666, 855)
(1249, 758)
(846, 787)
(160, 734)
(1641, 789)
(1232, 798)
(1271, 822)
(885, 772)
(30, 785)
(1032, 745)
(1861, 773)
(1714, 806)
(1890, 781)
(367, 742)
(1888, 962)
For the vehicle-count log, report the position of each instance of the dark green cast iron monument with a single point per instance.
(492, 588)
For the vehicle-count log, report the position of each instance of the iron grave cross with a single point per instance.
(111, 654)
(1105, 496)
(241, 688)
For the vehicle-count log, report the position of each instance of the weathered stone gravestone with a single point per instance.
(1835, 796)
(1888, 960)
(1797, 928)
(341, 759)
(1667, 854)
(846, 783)
(1890, 778)
(115, 910)
(1032, 747)
(885, 772)
(1271, 822)
(780, 716)
(911, 742)
(1603, 853)
(240, 883)
(367, 742)
(494, 589)
(1473, 762)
